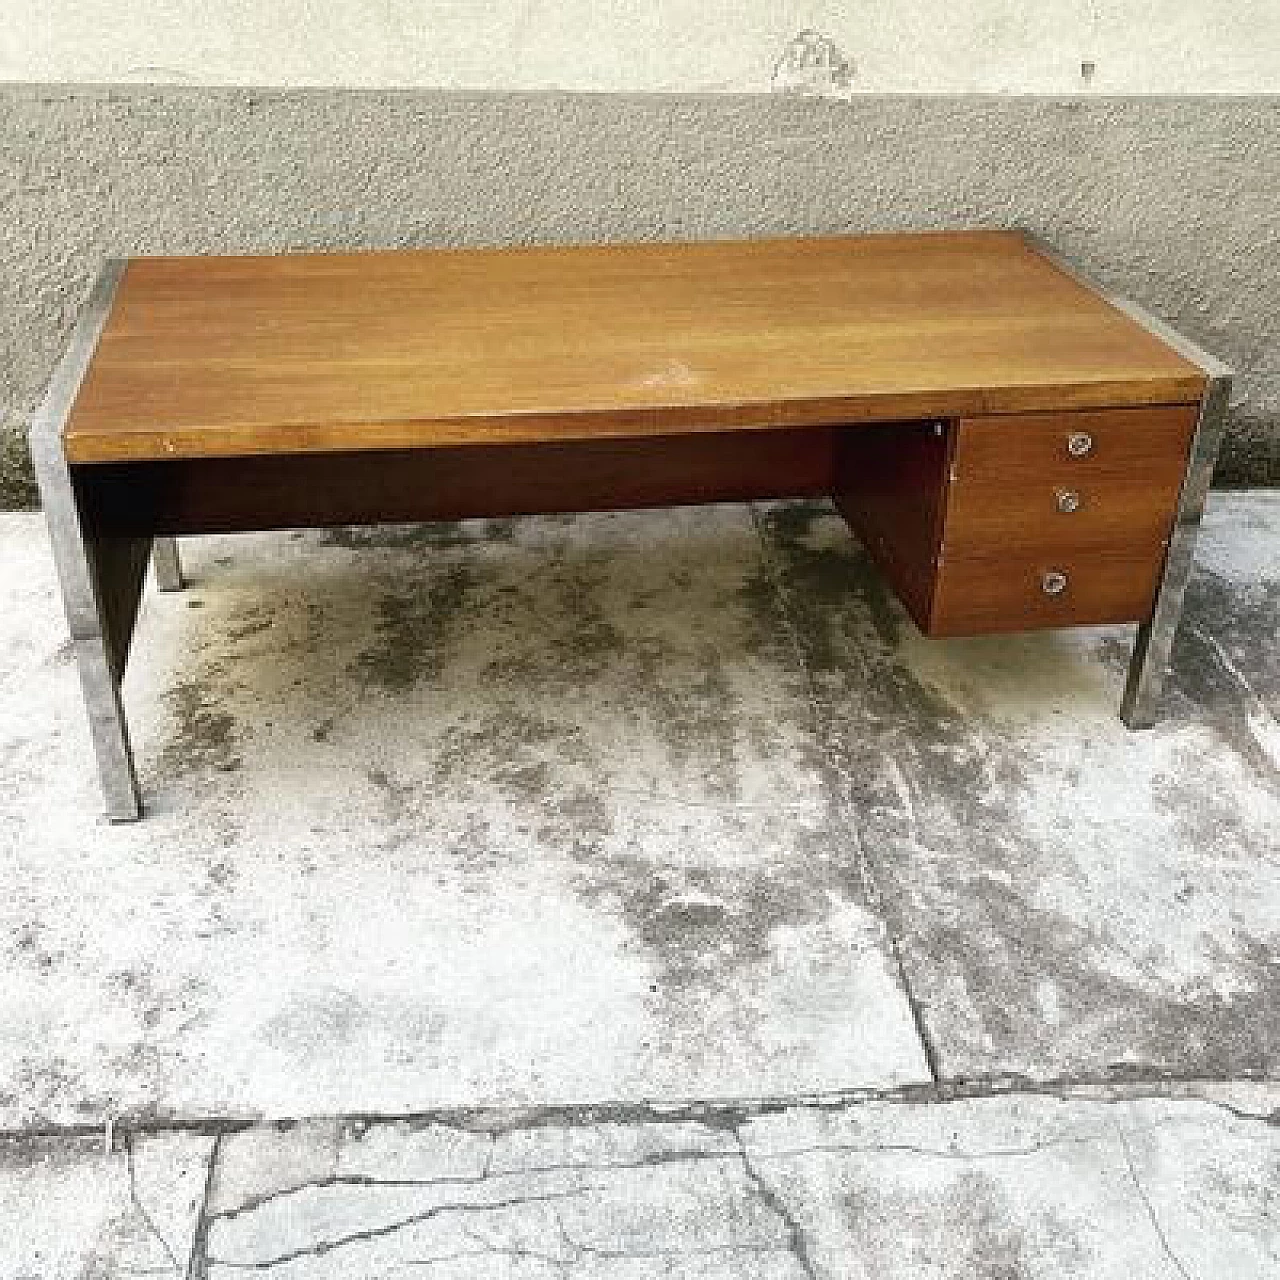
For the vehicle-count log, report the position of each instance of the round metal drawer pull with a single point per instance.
(1079, 443)
(1053, 583)
(1068, 501)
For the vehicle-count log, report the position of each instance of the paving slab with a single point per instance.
(618, 808)
(72, 1210)
(1017, 1187)
(511, 812)
(1068, 898)
(611, 1198)
(1027, 1188)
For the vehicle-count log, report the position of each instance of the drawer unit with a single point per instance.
(1019, 521)
(1048, 483)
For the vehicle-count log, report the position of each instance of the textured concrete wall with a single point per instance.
(736, 46)
(1172, 201)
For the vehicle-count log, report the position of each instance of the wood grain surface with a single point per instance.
(891, 485)
(452, 482)
(225, 356)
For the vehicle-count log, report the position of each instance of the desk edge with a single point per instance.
(1213, 367)
(54, 410)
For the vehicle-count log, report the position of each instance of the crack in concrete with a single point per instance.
(252, 1204)
(580, 1249)
(488, 1247)
(879, 1148)
(1177, 1262)
(741, 1153)
(703, 1251)
(797, 1241)
(198, 1263)
(848, 819)
(1132, 1084)
(487, 1175)
(322, 1247)
(550, 1259)
(140, 1122)
(653, 1160)
(141, 1209)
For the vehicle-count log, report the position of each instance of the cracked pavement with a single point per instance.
(638, 895)
(1003, 1185)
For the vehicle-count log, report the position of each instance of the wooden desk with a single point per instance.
(1015, 448)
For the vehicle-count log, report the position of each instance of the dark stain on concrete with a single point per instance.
(206, 734)
(702, 925)
(52, 1155)
(710, 926)
(397, 797)
(985, 1229)
(500, 530)
(39, 1084)
(986, 934)
(29, 949)
(1209, 820)
(156, 1000)
(446, 535)
(685, 696)
(683, 692)
(413, 630)
(511, 746)
(829, 589)
(18, 490)
(971, 1228)
(249, 627)
(1225, 658)
(223, 874)
(586, 639)
(936, 794)
(1224, 1187)
(693, 708)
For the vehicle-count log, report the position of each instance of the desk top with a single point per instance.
(228, 356)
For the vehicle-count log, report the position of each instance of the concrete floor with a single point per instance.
(996, 1188)
(612, 813)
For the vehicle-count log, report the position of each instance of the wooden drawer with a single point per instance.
(1015, 482)
(1006, 592)
(965, 518)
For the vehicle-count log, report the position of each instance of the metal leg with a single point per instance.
(1154, 644)
(164, 555)
(101, 578)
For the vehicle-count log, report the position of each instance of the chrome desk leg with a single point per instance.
(1154, 644)
(101, 578)
(164, 555)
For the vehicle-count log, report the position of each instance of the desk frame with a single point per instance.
(102, 575)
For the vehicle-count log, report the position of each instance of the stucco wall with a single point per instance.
(686, 46)
(237, 124)
(1170, 201)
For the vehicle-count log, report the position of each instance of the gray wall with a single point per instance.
(1170, 200)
